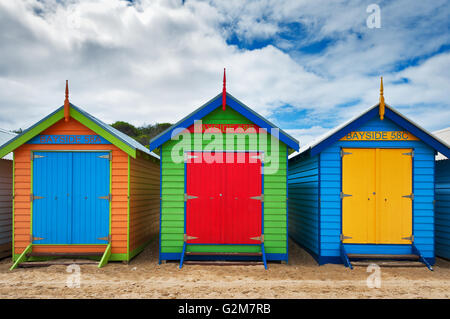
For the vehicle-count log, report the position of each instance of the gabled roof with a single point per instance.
(5, 136)
(335, 134)
(114, 136)
(213, 104)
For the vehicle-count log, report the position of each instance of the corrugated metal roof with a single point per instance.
(6, 136)
(444, 135)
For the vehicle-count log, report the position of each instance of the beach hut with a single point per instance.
(81, 189)
(223, 185)
(442, 193)
(5, 197)
(365, 190)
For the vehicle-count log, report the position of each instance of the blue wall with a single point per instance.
(330, 202)
(303, 203)
(442, 208)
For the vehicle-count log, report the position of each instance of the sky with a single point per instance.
(305, 65)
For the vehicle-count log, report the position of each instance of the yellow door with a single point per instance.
(394, 181)
(358, 198)
(375, 186)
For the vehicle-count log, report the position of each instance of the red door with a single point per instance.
(223, 210)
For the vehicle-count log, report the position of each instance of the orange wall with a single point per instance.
(22, 188)
(144, 201)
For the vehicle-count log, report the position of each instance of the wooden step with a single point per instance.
(224, 263)
(395, 257)
(389, 263)
(30, 264)
(36, 254)
(189, 253)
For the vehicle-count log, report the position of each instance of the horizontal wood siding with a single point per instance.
(144, 200)
(423, 188)
(443, 208)
(22, 187)
(6, 168)
(303, 202)
(172, 191)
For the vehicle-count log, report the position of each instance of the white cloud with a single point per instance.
(156, 61)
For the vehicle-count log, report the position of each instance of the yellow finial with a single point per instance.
(381, 100)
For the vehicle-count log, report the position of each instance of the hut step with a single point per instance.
(39, 254)
(30, 264)
(383, 256)
(388, 263)
(189, 253)
(224, 263)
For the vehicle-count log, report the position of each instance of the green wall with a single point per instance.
(172, 192)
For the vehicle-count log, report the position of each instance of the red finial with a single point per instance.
(66, 103)
(224, 92)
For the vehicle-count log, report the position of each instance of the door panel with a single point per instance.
(52, 180)
(377, 212)
(70, 211)
(90, 213)
(223, 212)
(358, 210)
(395, 211)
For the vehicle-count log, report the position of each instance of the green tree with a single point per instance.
(142, 134)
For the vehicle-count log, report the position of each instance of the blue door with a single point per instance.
(90, 208)
(52, 203)
(71, 197)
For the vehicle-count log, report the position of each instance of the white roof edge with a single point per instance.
(420, 127)
(447, 129)
(5, 137)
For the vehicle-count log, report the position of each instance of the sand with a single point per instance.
(301, 278)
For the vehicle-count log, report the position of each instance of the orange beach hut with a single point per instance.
(81, 189)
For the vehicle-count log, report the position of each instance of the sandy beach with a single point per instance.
(301, 278)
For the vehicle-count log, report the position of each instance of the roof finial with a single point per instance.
(381, 100)
(66, 103)
(224, 92)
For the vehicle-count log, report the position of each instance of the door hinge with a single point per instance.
(259, 238)
(108, 238)
(187, 197)
(409, 196)
(32, 238)
(33, 156)
(344, 195)
(186, 237)
(108, 197)
(107, 156)
(188, 157)
(345, 237)
(32, 197)
(344, 153)
(409, 153)
(260, 157)
(411, 238)
(260, 197)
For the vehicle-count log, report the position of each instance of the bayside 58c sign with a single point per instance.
(68, 139)
(379, 136)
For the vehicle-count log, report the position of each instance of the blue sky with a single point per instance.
(306, 65)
